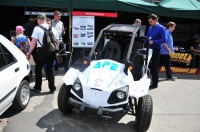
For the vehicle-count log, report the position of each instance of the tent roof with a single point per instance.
(180, 8)
(196, 3)
(63, 4)
(179, 4)
(94, 4)
(170, 8)
(136, 6)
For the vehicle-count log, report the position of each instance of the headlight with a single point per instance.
(77, 86)
(121, 95)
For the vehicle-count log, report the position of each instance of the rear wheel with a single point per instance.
(144, 113)
(63, 97)
(22, 96)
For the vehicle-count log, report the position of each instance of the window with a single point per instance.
(6, 57)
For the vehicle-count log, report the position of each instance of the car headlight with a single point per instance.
(121, 95)
(77, 86)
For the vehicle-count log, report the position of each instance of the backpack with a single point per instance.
(49, 43)
(22, 43)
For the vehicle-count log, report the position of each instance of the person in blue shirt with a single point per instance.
(167, 49)
(156, 36)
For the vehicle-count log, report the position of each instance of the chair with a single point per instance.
(137, 61)
(112, 50)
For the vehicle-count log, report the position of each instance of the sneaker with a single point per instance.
(52, 91)
(172, 78)
(153, 86)
(35, 90)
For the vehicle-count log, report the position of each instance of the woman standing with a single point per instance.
(20, 40)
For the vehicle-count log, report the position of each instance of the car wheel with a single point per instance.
(144, 113)
(22, 97)
(63, 97)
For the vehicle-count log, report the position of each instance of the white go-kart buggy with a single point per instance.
(114, 81)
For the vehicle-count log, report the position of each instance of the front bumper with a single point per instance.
(96, 111)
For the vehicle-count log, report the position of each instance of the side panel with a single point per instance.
(139, 88)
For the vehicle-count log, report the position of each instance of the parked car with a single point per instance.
(14, 77)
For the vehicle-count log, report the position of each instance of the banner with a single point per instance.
(83, 31)
(182, 70)
(181, 58)
(45, 12)
(99, 14)
(182, 63)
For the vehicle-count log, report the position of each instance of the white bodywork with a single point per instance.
(104, 76)
(11, 75)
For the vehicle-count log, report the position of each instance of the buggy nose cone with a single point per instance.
(96, 111)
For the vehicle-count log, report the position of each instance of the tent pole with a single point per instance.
(70, 30)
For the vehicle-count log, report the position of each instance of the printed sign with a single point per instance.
(181, 57)
(183, 70)
(99, 14)
(46, 13)
(83, 31)
(112, 66)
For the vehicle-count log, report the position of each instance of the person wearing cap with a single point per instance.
(41, 58)
(59, 26)
(137, 22)
(20, 40)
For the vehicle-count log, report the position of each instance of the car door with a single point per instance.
(8, 74)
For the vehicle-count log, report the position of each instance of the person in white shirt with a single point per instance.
(41, 57)
(59, 26)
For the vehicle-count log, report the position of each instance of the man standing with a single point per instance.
(137, 22)
(29, 26)
(156, 36)
(167, 49)
(41, 57)
(59, 26)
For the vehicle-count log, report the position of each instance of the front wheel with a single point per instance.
(63, 97)
(22, 97)
(144, 113)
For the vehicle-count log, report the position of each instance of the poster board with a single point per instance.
(83, 31)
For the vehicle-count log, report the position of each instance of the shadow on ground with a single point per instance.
(57, 122)
(162, 76)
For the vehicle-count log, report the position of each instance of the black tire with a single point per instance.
(63, 97)
(22, 96)
(144, 113)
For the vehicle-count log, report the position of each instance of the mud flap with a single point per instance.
(140, 88)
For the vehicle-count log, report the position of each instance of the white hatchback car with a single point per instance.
(14, 77)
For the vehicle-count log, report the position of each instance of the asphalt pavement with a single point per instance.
(176, 108)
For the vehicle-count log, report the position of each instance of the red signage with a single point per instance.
(100, 14)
